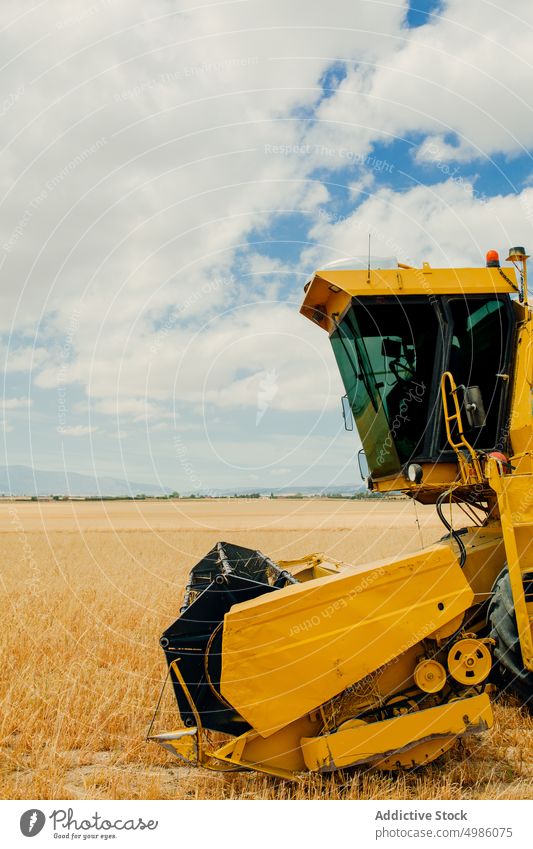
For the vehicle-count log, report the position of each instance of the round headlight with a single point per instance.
(414, 472)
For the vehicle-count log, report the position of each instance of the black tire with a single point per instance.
(508, 672)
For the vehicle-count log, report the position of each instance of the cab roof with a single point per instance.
(329, 291)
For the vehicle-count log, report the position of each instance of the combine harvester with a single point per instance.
(312, 666)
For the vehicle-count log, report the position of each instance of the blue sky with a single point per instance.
(171, 178)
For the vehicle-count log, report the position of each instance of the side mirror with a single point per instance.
(364, 471)
(473, 406)
(347, 413)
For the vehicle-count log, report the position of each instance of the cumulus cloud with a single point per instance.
(447, 223)
(466, 74)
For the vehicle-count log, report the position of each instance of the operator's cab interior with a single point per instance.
(391, 353)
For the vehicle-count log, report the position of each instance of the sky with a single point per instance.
(171, 175)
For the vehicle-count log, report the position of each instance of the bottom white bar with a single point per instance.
(245, 824)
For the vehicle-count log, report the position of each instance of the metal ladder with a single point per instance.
(469, 465)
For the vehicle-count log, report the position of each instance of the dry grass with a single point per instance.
(88, 588)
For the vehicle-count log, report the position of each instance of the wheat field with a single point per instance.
(87, 588)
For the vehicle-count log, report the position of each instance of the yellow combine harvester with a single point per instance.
(307, 665)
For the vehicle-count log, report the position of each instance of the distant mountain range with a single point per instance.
(23, 480)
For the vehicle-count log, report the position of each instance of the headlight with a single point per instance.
(414, 472)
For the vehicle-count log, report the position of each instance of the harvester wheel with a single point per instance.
(508, 670)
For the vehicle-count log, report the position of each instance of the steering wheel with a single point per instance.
(396, 364)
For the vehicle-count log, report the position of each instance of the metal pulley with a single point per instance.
(430, 676)
(469, 661)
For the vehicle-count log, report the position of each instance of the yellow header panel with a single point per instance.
(285, 653)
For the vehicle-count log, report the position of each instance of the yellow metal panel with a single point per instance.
(280, 754)
(485, 558)
(288, 652)
(519, 424)
(370, 743)
(515, 502)
(310, 567)
(434, 476)
(423, 281)
(183, 744)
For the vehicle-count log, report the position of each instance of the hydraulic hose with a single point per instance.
(460, 544)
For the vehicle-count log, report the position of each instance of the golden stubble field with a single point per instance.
(87, 589)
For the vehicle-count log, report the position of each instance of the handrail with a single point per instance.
(465, 467)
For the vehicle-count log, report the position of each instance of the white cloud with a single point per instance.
(140, 156)
(468, 73)
(76, 430)
(435, 150)
(23, 358)
(15, 403)
(136, 150)
(448, 224)
(135, 409)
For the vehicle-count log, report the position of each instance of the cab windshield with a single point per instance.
(391, 353)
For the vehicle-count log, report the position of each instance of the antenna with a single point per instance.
(368, 277)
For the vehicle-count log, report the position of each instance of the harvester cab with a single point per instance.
(313, 665)
(394, 333)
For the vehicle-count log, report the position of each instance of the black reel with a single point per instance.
(227, 575)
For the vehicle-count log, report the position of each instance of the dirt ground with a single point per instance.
(88, 587)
